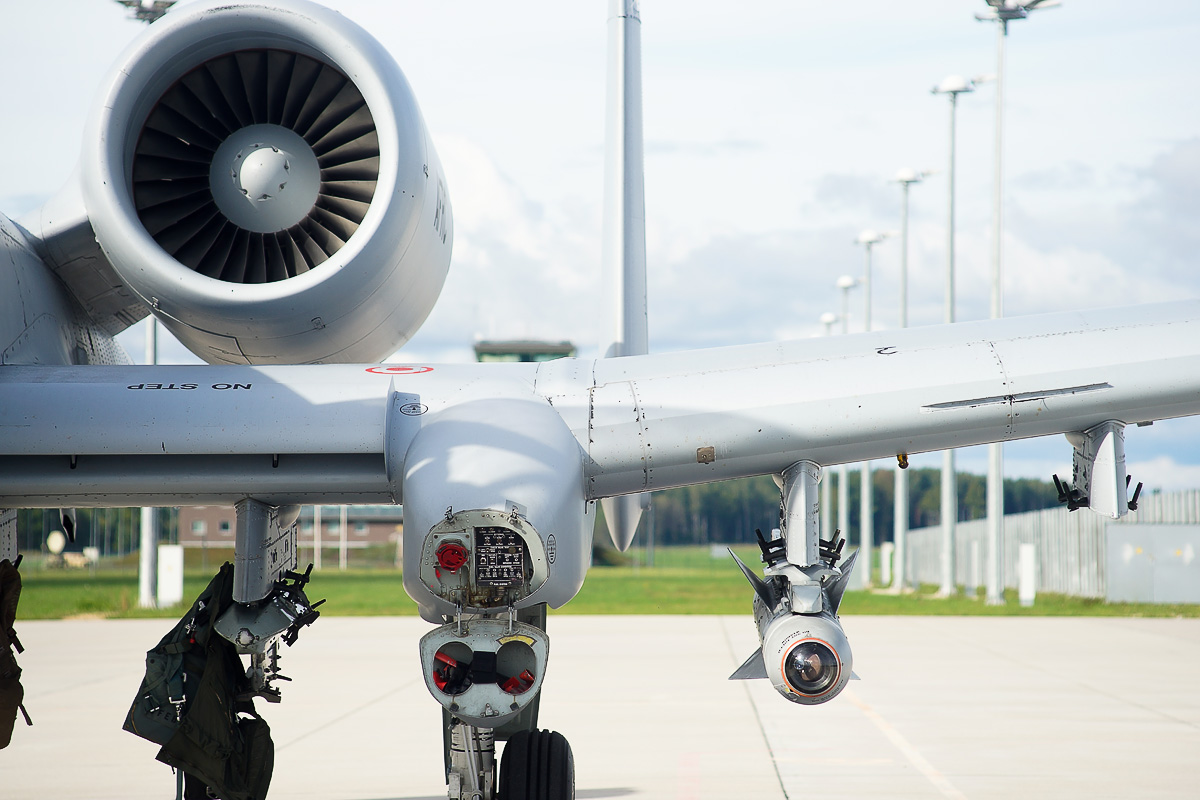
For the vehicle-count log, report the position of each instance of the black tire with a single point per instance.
(537, 765)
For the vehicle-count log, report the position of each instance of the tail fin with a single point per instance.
(623, 253)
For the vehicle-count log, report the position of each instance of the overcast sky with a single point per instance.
(772, 130)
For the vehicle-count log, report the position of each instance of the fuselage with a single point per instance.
(40, 321)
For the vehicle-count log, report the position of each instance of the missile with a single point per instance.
(803, 649)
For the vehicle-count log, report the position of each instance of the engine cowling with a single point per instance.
(260, 175)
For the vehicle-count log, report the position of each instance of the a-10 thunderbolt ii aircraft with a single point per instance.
(259, 178)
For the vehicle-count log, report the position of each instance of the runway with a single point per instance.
(946, 708)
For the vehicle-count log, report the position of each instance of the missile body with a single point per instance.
(806, 656)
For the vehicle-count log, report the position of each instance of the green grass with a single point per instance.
(113, 593)
(924, 602)
(684, 580)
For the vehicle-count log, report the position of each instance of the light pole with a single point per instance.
(868, 239)
(953, 86)
(1000, 12)
(148, 549)
(906, 178)
(845, 283)
(827, 319)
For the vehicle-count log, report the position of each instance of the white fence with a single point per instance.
(1071, 545)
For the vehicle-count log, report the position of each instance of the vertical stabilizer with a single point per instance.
(623, 253)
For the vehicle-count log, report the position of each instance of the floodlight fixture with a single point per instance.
(871, 237)
(954, 85)
(147, 10)
(1005, 10)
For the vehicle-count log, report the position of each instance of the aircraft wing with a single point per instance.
(733, 412)
(340, 433)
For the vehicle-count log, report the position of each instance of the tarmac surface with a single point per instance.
(946, 708)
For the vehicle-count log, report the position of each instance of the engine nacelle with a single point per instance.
(806, 656)
(260, 175)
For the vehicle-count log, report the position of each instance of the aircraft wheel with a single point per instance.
(537, 765)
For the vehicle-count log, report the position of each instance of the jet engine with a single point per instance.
(260, 175)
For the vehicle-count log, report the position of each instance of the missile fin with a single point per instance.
(754, 667)
(765, 592)
(838, 587)
(854, 676)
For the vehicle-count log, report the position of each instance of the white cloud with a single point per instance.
(771, 138)
(1040, 280)
(1164, 472)
(521, 268)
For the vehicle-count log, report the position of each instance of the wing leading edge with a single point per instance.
(339, 433)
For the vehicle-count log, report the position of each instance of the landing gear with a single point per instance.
(490, 690)
(537, 765)
(471, 762)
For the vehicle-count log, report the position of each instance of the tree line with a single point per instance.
(113, 531)
(725, 512)
(730, 511)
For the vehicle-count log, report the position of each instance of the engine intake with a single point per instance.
(260, 175)
(256, 166)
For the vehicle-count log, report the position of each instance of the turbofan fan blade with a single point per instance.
(205, 87)
(172, 162)
(252, 69)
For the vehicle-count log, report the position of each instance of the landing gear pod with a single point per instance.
(483, 560)
(484, 671)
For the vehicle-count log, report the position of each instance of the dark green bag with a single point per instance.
(192, 701)
(11, 692)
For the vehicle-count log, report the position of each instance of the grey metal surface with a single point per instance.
(705, 414)
(265, 548)
(947, 708)
(8, 534)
